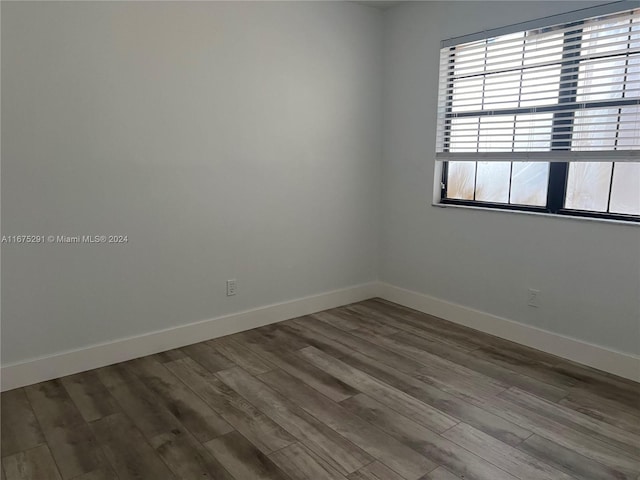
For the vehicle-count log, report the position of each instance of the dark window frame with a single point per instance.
(561, 137)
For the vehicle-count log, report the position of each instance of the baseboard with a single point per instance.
(66, 363)
(95, 356)
(618, 363)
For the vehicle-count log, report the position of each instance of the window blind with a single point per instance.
(561, 93)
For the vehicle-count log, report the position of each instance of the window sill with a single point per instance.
(538, 214)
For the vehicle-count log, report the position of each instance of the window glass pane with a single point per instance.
(492, 182)
(625, 189)
(629, 133)
(502, 90)
(632, 88)
(467, 94)
(469, 59)
(496, 133)
(604, 78)
(463, 136)
(595, 129)
(505, 51)
(550, 44)
(533, 132)
(601, 79)
(460, 180)
(601, 37)
(529, 182)
(540, 86)
(588, 186)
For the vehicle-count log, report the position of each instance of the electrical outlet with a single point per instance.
(534, 298)
(231, 287)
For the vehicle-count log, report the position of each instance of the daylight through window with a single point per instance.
(545, 120)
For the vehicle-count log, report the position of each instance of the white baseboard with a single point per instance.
(66, 363)
(619, 363)
(95, 356)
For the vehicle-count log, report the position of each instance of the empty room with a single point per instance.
(320, 240)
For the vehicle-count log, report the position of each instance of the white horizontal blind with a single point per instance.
(561, 93)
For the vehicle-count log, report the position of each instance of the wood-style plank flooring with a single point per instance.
(369, 391)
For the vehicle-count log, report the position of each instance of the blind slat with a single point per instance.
(468, 73)
(548, 40)
(550, 156)
(539, 72)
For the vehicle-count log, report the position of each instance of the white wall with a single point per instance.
(227, 140)
(245, 140)
(588, 272)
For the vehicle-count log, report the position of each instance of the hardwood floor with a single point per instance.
(370, 391)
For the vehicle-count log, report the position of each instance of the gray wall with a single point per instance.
(282, 144)
(588, 272)
(227, 140)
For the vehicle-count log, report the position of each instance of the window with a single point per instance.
(546, 119)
